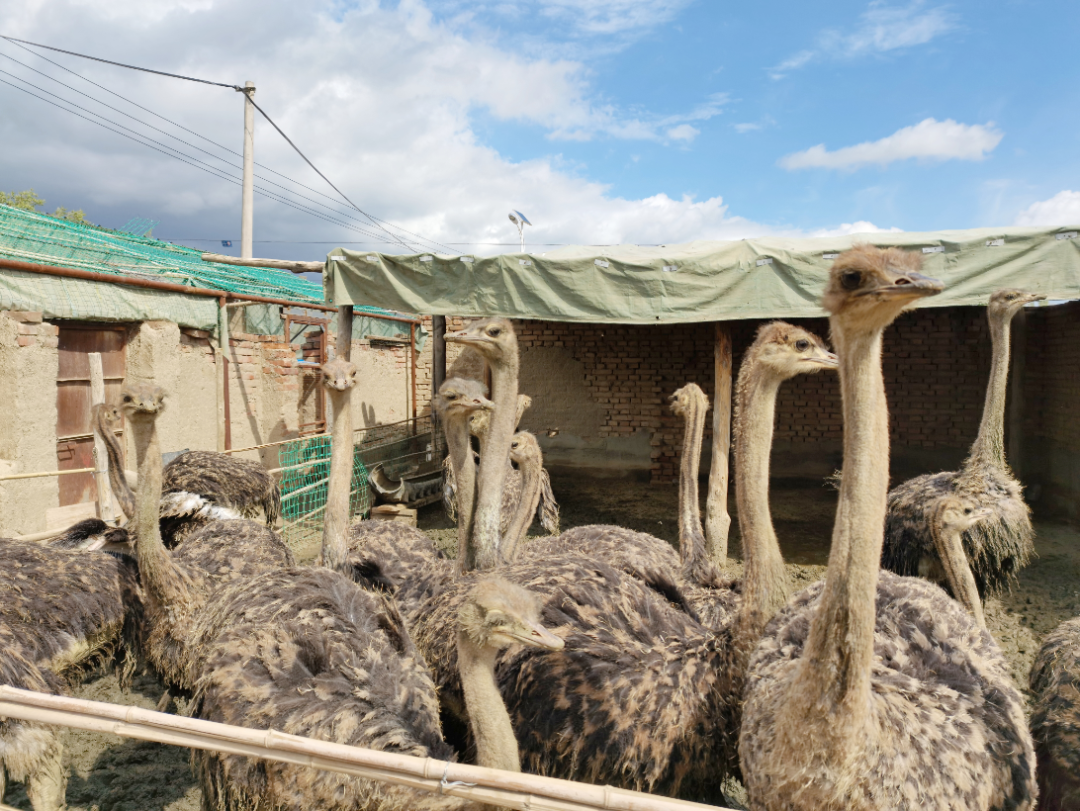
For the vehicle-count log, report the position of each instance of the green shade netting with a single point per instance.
(770, 277)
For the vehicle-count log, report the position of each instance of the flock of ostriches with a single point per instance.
(601, 654)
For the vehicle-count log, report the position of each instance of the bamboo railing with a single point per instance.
(526, 792)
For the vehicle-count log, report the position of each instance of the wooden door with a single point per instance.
(74, 432)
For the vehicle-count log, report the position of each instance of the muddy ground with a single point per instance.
(110, 774)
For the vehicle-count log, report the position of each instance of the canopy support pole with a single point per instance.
(717, 519)
(1016, 393)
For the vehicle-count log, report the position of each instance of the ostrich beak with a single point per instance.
(467, 337)
(537, 636)
(908, 285)
(827, 361)
(1032, 297)
(481, 403)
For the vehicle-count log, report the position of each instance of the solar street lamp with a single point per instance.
(520, 220)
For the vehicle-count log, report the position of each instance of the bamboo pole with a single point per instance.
(14, 476)
(493, 786)
(101, 473)
(717, 519)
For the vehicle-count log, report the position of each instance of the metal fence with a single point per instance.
(404, 449)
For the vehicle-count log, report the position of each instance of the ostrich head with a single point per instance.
(524, 448)
(788, 350)
(462, 395)
(107, 415)
(338, 375)
(142, 400)
(493, 338)
(954, 514)
(1006, 303)
(688, 395)
(498, 614)
(869, 287)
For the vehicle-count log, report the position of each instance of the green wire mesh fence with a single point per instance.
(402, 450)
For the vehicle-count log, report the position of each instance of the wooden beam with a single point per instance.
(275, 264)
(717, 519)
(344, 331)
(438, 352)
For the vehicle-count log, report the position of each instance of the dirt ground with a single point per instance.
(110, 774)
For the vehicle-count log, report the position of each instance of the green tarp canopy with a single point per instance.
(770, 277)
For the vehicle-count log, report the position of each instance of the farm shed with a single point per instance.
(608, 333)
(153, 309)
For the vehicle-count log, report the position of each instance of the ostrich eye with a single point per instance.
(851, 279)
(127, 398)
(494, 332)
(967, 511)
(802, 346)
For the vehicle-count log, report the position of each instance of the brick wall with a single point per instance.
(935, 364)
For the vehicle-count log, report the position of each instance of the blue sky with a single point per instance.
(604, 120)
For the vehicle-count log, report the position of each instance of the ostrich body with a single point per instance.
(308, 651)
(950, 518)
(62, 614)
(873, 691)
(197, 486)
(179, 584)
(1055, 719)
(1000, 545)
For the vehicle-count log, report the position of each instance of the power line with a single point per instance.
(168, 151)
(375, 221)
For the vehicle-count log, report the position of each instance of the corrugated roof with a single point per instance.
(30, 236)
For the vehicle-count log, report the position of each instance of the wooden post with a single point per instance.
(1016, 393)
(247, 200)
(438, 352)
(223, 339)
(717, 519)
(101, 471)
(344, 331)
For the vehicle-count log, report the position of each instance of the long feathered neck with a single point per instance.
(496, 746)
(484, 552)
(765, 587)
(461, 457)
(117, 480)
(156, 567)
(691, 535)
(832, 689)
(335, 548)
(988, 450)
(532, 472)
(950, 548)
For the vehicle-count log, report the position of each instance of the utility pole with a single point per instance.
(247, 212)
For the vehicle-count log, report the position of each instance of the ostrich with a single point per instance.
(62, 614)
(950, 518)
(197, 487)
(404, 557)
(495, 340)
(309, 652)
(89, 535)
(179, 584)
(1001, 545)
(1055, 720)
(874, 691)
(547, 509)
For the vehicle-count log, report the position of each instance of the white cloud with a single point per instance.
(613, 16)
(748, 126)
(848, 228)
(1061, 209)
(683, 132)
(928, 140)
(881, 28)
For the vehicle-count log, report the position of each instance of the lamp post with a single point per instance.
(520, 220)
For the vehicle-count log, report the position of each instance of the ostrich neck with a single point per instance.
(531, 484)
(335, 546)
(764, 578)
(691, 535)
(989, 446)
(832, 689)
(484, 552)
(950, 548)
(156, 567)
(117, 480)
(496, 746)
(457, 440)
